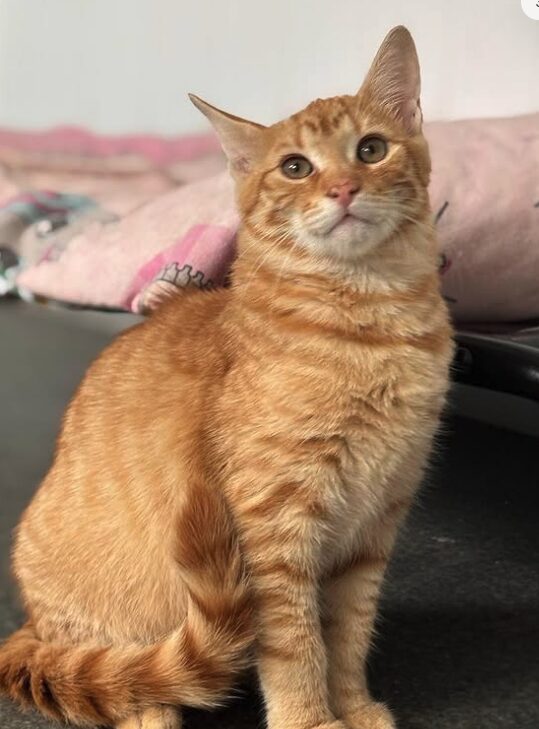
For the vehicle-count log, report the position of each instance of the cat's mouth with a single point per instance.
(348, 219)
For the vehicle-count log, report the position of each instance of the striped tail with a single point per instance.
(194, 666)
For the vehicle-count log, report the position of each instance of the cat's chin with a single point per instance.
(348, 241)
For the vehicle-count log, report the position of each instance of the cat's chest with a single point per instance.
(382, 424)
(388, 394)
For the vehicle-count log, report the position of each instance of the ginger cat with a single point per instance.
(231, 474)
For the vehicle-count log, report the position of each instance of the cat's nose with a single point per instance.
(343, 192)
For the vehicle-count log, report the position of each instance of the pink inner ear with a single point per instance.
(413, 115)
(240, 164)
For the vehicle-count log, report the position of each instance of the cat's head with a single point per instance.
(345, 173)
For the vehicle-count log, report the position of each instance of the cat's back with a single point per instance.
(121, 457)
(141, 395)
(157, 367)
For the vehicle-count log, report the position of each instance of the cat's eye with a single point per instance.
(296, 167)
(371, 149)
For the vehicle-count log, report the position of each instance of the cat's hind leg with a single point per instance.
(158, 717)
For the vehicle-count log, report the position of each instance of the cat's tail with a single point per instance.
(194, 666)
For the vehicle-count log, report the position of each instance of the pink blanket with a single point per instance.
(113, 222)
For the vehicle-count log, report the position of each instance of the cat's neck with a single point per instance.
(285, 288)
(269, 268)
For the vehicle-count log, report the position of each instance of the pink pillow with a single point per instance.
(185, 236)
(484, 192)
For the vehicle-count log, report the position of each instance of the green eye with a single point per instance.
(371, 149)
(296, 167)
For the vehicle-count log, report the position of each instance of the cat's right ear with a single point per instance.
(240, 139)
(393, 81)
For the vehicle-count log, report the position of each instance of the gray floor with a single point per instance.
(458, 644)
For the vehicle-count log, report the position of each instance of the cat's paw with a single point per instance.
(335, 724)
(161, 717)
(371, 716)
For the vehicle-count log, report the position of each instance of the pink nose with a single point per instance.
(343, 192)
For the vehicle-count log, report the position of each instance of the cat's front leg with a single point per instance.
(350, 599)
(291, 654)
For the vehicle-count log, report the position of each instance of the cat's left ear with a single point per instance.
(241, 139)
(394, 80)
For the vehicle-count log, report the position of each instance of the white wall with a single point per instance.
(119, 65)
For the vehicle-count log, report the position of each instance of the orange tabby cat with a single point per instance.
(231, 473)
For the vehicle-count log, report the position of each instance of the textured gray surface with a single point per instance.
(458, 644)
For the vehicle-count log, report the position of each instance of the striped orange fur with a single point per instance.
(231, 474)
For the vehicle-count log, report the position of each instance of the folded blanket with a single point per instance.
(114, 222)
(54, 185)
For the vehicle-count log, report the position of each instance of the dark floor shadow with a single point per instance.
(472, 661)
(468, 668)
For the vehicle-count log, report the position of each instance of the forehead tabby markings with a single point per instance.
(310, 125)
(337, 118)
(323, 115)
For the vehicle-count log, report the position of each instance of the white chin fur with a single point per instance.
(348, 241)
(325, 232)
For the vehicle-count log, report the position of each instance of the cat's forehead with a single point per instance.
(323, 120)
(324, 116)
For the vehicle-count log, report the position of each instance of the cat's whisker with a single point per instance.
(286, 261)
(262, 259)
